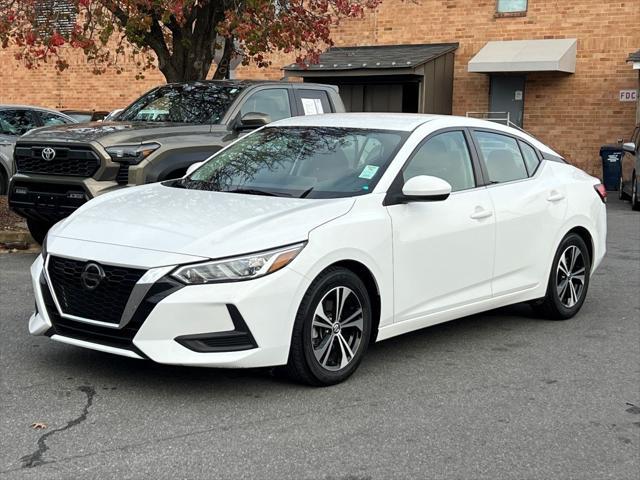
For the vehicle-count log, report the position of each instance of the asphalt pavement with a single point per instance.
(492, 396)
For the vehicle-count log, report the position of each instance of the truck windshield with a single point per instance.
(313, 162)
(198, 103)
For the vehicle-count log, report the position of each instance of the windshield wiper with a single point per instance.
(306, 192)
(254, 191)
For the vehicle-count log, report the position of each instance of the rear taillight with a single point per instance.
(601, 191)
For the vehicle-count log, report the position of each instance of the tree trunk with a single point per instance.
(224, 65)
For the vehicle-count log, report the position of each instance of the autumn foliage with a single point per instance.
(180, 37)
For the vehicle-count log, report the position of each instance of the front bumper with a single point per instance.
(238, 325)
(50, 199)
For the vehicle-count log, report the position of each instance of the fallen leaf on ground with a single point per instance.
(38, 426)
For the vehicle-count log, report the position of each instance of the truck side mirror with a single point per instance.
(629, 147)
(253, 120)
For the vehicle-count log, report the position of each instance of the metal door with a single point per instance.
(506, 94)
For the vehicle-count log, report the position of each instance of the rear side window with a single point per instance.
(16, 122)
(531, 159)
(502, 157)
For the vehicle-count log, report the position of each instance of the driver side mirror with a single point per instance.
(425, 188)
(193, 167)
(253, 120)
(629, 147)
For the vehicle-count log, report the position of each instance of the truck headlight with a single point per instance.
(131, 154)
(243, 267)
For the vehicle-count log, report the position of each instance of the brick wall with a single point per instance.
(573, 113)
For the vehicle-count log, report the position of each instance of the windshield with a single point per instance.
(314, 162)
(199, 103)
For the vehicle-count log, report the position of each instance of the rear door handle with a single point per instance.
(481, 213)
(555, 196)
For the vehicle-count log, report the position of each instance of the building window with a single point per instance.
(511, 7)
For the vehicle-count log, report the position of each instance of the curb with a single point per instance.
(17, 242)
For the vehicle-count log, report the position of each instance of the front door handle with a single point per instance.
(555, 196)
(481, 213)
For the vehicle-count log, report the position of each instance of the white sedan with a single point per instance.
(305, 241)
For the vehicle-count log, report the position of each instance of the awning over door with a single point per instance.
(558, 55)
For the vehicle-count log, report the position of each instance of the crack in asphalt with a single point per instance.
(35, 459)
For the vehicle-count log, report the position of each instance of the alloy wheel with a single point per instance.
(336, 333)
(570, 276)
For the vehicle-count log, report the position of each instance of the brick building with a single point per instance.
(566, 91)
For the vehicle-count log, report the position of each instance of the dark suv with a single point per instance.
(155, 138)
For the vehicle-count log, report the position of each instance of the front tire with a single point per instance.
(635, 201)
(38, 229)
(332, 329)
(568, 280)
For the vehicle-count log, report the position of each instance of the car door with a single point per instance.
(530, 206)
(443, 250)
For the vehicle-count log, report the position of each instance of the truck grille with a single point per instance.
(76, 161)
(105, 303)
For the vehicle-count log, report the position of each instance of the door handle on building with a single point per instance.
(555, 196)
(481, 213)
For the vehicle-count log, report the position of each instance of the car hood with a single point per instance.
(114, 133)
(198, 223)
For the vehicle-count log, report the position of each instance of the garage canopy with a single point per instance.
(558, 55)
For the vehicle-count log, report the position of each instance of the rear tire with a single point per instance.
(635, 201)
(4, 182)
(38, 229)
(332, 329)
(568, 280)
(621, 194)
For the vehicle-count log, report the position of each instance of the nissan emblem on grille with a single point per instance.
(91, 276)
(48, 154)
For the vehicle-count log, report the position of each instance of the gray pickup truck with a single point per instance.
(155, 138)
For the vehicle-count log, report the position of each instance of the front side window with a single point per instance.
(511, 6)
(313, 162)
(445, 156)
(16, 122)
(273, 102)
(197, 103)
(50, 119)
(501, 157)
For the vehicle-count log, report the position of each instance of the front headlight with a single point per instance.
(131, 154)
(238, 268)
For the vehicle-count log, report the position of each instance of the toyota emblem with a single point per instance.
(48, 154)
(92, 276)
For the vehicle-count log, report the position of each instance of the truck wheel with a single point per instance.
(635, 201)
(4, 182)
(38, 230)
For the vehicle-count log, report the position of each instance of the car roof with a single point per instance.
(251, 82)
(406, 122)
(6, 106)
(375, 121)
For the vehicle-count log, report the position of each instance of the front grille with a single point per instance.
(122, 177)
(75, 161)
(105, 303)
(112, 337)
